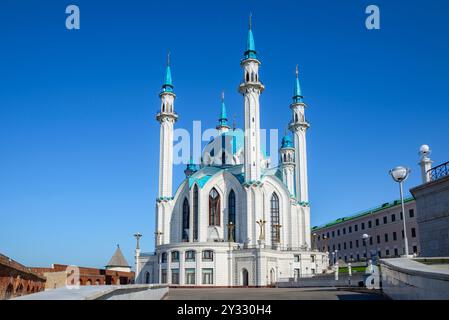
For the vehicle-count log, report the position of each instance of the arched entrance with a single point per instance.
(245, 277)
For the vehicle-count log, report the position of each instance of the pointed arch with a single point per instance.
(185, 220)
(214, 208)
(232, 211)
(195, 212)
(274, 213)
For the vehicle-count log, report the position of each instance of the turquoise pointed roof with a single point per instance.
(297, 95)
(168, 83)
(223, 121)
(250, 52)
(287, 142)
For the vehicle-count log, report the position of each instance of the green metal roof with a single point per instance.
(384, 206)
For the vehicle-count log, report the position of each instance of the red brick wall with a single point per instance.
(17, 280)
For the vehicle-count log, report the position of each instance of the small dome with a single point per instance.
(424, 148)
(287, 142)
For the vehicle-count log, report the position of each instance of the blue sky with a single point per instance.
(79, 139)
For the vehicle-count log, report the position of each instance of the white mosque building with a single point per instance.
(234, 220)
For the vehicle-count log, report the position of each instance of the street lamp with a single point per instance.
(400, 174)
(365, 237)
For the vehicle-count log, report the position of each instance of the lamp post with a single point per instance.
(364, 238)
(231, 227)
(400, 174)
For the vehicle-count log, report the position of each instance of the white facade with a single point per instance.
(233, 221)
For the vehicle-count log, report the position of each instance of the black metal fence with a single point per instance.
(439, 172)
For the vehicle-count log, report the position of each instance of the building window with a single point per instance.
(378, 239)
(413, 233)
(231, 211)
(328, 235)
(402, 216)
(339, 247)
(370, 241)
(333, 234)
(296, 274)
(333, 247)
(190, 276)
(370, 224)
(379, 254)
(164, 276)
(164, 257)
(185, 220)
(386, 238)
(208, 276)
(385, 220)
(358, 257)
(296, 257)
(377, 221)
(363, 225)
(312, 258)
(214, 208)
(356, 228)
(338, 232)
(208, 255)
(344, 245)
(356, 243)
(395, 236)
(175, 276)
(350, 229)
(393, 217)
(175, 256)
(396, 253)
(275, 235)
(350, 244)
(402, 233)
(411, 213)
(387, 252)
(190, 255)
(344, 230)
(195, 213)
(415, 249)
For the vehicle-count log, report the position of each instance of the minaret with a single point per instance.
(166, 117)
(223, 121)
(287, 154)
(298, 126)
(251, 88)
(425, 163)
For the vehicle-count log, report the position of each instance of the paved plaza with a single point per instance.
(269, 294)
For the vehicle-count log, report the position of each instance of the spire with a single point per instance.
(297, 96)
(168, 84)
(250, 52)
(223, 121)
(223, 118)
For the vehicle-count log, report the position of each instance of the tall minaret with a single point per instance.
(166, 117)
(287, 154)
(223, 121)
(298, 126)
(251, 88)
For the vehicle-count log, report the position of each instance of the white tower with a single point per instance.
(287, 154)
(166, 117)
(298, 126)
(251, 88)
(425, 163)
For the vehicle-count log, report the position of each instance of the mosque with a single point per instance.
(234, 220)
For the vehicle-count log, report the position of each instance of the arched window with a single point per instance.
(195, 213)
(185, 220)
(214, 208)
(247, 77)
(296, 117)
(231, 211)
(275, 235)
